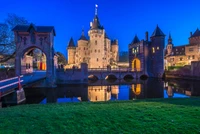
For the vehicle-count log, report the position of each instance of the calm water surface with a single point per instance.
(109, 91)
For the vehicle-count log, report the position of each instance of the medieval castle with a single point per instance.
(98, 51)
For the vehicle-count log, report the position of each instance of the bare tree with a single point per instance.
(61, 59)
(7, 41)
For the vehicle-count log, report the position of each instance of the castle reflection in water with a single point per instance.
(110, 91)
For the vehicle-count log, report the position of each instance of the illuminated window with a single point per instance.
(137, 49)
(133, 51)
(153, 50)
(157, 48)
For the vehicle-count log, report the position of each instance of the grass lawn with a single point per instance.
(140, 116)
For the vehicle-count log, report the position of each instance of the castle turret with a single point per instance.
(157, 52)
(71, 49)
(98, 44)
(194, 38)
(82, 50)
(169, 45)
(115, 50)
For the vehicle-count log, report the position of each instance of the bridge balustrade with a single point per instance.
(113, 70)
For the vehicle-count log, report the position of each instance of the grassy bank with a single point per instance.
(147, 116)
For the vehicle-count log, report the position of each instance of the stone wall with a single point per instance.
(189, 71)
(73, 74)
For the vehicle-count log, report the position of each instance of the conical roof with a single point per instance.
(83, 36)
(71, 43)
(135, 40)
(157, 32)
(169, 39)
(106, 36)
(196, 33)
(96, 24)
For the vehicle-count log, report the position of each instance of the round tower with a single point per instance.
(82, 50)
(96, 45)
(71, 50)
(115, 50)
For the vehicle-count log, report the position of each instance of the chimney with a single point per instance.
(190, 34)
(146, 36)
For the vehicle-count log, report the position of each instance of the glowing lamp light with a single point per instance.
(96, 5)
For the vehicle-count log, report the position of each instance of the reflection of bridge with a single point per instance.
(119, 73)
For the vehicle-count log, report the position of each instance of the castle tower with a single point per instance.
(97, 47)
(194, 38)
(115, 50)
(82, 50)
(169, 45)
(71, 49)
(157, 53)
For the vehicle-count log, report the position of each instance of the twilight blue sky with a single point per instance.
(122, 19)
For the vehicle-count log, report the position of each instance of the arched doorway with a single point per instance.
(136, 89)
(136, 64)
(33, 60)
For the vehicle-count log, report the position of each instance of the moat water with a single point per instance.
(108, 91)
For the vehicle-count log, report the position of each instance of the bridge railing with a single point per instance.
(114, 69)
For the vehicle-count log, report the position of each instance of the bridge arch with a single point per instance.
(128, 76)
(111, 76)
(136, 64)
(29, 37)
(93, 77)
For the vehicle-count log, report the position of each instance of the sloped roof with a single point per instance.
(71, 43)
(157, 32)
(83, 36)
(196, 33)
(96, 24)
(114, 42)
(135, 40)
(39, 29)
(106, 36)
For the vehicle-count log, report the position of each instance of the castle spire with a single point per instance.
(82, 31)
(170, 39)
(96, 6)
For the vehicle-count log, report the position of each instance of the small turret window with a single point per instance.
(153, 50)
(95, 42)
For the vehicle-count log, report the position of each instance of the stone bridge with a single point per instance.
(82, 74)
(119, 73)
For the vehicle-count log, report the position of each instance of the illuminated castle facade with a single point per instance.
(98, 51)
(147, 55)
(184, 54)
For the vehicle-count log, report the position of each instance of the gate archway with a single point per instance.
(28, 37)
(136, 64)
